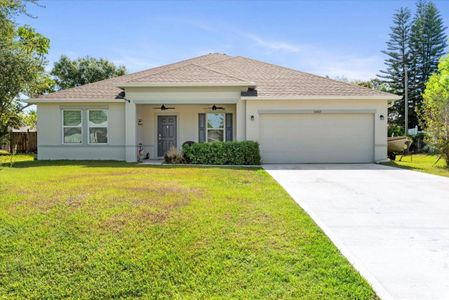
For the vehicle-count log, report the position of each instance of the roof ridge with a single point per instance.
(196, 65)
(231, 76)
(312, 75)
(165, 71)
(172, 64)
(229, 58)
(221, 60)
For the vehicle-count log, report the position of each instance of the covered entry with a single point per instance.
(317, 137)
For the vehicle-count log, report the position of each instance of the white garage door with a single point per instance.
(317, 138)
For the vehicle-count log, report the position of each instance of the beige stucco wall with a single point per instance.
(378, 107)
(125, 133)
(184, 95)
(187, 123)
(49, 133)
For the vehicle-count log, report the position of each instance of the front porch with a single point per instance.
(158, 127)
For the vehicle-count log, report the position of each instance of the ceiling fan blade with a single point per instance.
(163, 107)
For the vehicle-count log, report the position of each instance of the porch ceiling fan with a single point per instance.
(214, 107)
(163, 107)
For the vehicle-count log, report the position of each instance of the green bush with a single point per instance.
(223, 153)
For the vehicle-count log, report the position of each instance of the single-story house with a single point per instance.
(295, 116)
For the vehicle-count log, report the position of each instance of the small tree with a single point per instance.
(435, 109)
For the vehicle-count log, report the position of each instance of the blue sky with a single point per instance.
(335, 38)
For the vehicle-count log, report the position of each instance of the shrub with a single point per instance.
(223, 153)
(173, 156)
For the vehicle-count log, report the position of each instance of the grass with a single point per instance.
(117, 230)
(423, 163)
(8, 160)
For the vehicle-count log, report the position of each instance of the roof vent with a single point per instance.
(250, 92)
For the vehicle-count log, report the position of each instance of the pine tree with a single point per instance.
(397, 61)
(427, 46)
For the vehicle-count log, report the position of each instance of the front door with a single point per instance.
(166, 134)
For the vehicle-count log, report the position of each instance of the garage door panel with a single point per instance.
(316, 138)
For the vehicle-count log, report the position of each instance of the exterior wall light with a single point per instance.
(381, 117)
(252, 117)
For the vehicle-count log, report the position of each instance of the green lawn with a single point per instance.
(422, 163)
(108, 229)
(8, 160)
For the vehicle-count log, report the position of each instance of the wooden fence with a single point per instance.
(23, 142)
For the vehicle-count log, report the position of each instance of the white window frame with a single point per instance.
(96, 126)
(64, 126)
(224, 126)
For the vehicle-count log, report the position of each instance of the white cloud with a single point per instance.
(320, 60)
(338, 64)
(133, 63)
(271, 44)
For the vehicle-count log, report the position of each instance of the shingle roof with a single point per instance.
(188, 73)
(270, 80)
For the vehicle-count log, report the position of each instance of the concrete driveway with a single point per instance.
(392, 224)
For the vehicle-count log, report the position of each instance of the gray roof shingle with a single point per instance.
(215, 68)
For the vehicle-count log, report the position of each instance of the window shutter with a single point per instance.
(229, 131)
(201, 128)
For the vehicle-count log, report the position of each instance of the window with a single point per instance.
(72, 124)
(215, 127)
(98, 126)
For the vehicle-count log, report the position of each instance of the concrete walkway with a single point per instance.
(392, 224)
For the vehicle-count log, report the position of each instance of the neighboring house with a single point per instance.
(296, 117)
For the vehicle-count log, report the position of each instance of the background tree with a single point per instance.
(30, 119)
(22, 64)
(435, 109)
(427, 46)
(70, 73)
(417, 44)
(374, 84)
(397, 62)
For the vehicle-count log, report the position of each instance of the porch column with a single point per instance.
(130, 132)
(240, 128)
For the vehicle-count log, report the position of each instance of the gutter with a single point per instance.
(315, 97)
(69, 100)
(186, 84)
